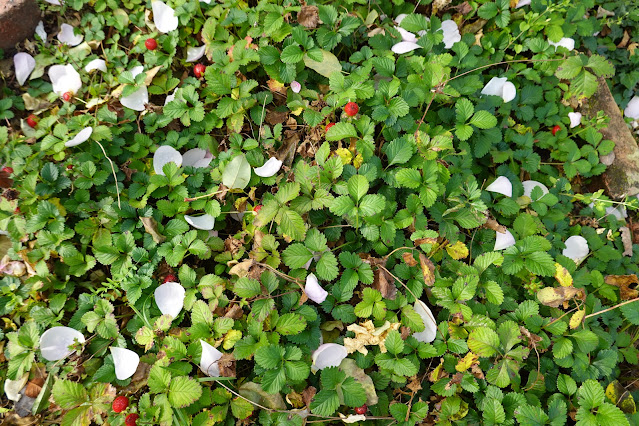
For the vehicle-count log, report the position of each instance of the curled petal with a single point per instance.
(136, 100)
(509, 92)
(314, 290)
(170, 97)
(575, 119)
(404, 47)
(96, 64)
(529, 185)
(67, 36)
(82, 136)
(41, 32)
(503, 241)
(197, 157)
(170, 298)
(55, 342)
(566, 42)
(24, 65)
(522, 3)
(208, 360)
(451, 33)
(164, 17)
(272, 166)
(576, 248)
(400, 18)
(406, 35)
(328, 355)
(205, 221)
(12, 388)
(296, 86)
(501, 185)
(495, 87)
(125, 361)
(430, 325)
(64, 78)
(136, 70)
(195, 53)
(632, 109)
(165, 154)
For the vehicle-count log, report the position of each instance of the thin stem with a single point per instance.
(203, 196)
(117, 189)
(614, 307)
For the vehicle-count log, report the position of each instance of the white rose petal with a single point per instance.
(195, 53)
(197, 157)
(41, 32)
(164, 17)
(125, 361)
(404, 47)
(328, 355)
(509, 92)
(55, 342)
(451, 33)
(576, 248)
(575, 119)
(64, 78)
(170, 298)
(55, 2)
(566, 42)
(430, 330)
(136, 100)
(165, 154)
(96, 64)
(503, 241)
(352, 418)
(12, 388)
(272, 166)
(529, 185)
(209, 359)
(500, 86)
(632, 110)
(67, 36)
(296, 86)
(82, 136)
(170, 97)
(24, 65)
(407, 35)
(400, 18)
(501, 185)
(205, 222)
(522, 3)
(314, 290)
(205, 1)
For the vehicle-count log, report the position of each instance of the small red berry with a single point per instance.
(131, 419)
(151, 44)
(170, 278)
(7, 169)
(328, 126)
(361, 410)
(198, 70)
(120, 403)
(32, 121)
(69, 166)
(17, 210)
(555, 129)
(351, 109)
(67, 96)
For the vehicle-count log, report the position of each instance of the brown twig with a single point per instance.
(614, 307)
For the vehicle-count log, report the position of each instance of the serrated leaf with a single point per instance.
(184, 391)
(237, 173)
(341, 131)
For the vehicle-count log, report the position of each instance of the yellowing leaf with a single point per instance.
(556, 296)
(428, 269)
(619, 396)
(458, 250)
(466, 362)
(231, 338)
(358, 160)
(563, 276)
(624, 282)
(345, 155)
(577, 318)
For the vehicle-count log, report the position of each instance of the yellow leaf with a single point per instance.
(555, 296)
(358, 161)
(577, 318)
(563, 276)
(619, 396)
(231, 338)
(466, 362)
(458, 250)
(345, 155)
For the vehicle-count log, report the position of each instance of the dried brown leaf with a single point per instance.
(308, 394)
(428, 269)
(227, 365)
(556, 296)
(409, 259)
(626, 240)
(151, 226)
(383, 282)
(308, 16)
(624, 282)
(495, 226)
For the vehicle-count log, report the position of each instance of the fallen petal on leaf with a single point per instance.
(205, 221)
(296, 86)
(164, 17)
(328, 355)
(576, 248)
(407, 35)
(12, 388)
(503, 241)
(272, 166)
(451, 33)
(67, 36)
(24, 65)
(495, 87)
(126, 362)
(404, 47)
(64, 78)
(96, 64)
(209, 360)
(501, 185)
(195, 53)
(566, 42)
(136, 100)
(82, 136)
(164, 155)
(575, 119)
(632, 109)
(170, 298)
(314, 290)
(41, 32)
(430, 325)
(197, 157)
(529, 185)
(55, 342)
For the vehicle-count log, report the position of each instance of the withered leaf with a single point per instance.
(308, 395)
(409, 259)
(383, 282)
(624, 282)
(227, 365)
(428, 269)
(626, 240)
(414, 385)
(495, 226)
(308, 16)
(151, 226)
(556, 296)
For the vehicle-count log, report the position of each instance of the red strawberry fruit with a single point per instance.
(351, 109)
(257, 208)
(7, 169)
(67, 96)
(151, 44)
(198, 70)
(131, 419)
(120, 403)
(169, 279)
(555, 129)
(361, 410)
(32, 121)
(329, 125)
